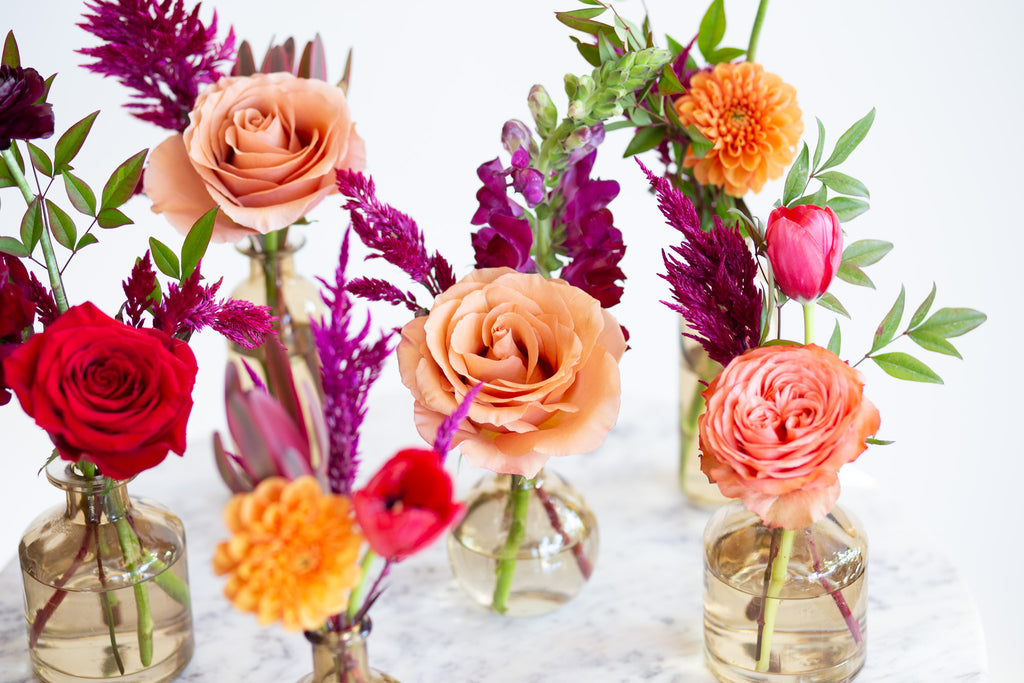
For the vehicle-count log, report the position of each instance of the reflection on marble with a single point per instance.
(639, 618)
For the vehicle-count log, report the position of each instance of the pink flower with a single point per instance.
(805, 247)
(780, 422)
(407, 504)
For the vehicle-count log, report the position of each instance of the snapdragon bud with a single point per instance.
(543, 110)
(516, 135)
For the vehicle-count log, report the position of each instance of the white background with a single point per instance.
(431, 87)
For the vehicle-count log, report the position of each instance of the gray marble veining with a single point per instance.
(639, 619)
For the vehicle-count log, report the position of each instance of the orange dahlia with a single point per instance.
(752, 118)
(292, 555)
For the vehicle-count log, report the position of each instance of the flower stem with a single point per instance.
(837, 595)
(770, 607)
(356, 598)
(52, 268)
(582, 561)
(108, 608)
(130, 549)
(755, 32)
(809, 322)
(519, 500)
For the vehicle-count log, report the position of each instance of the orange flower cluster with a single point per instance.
(752, 118)
(293, 554)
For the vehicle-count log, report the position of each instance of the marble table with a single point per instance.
(639, 618)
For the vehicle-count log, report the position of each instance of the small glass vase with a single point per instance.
(525, 546)
(106, 585)
(340, 657)
(814, 616)
(696, 370)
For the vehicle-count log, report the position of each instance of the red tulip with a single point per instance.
(805, 247)
(407, 504)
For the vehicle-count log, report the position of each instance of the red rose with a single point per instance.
(407, 504)
(107, 393)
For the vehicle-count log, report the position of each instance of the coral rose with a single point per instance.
(780, 422)
(753, 119)
(545, 352)
(293, 554)
(263, 148)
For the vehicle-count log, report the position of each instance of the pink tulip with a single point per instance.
(805, 247)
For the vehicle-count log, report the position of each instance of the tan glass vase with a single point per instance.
(106, 585)
(525, 546)
(341, 657)
(808, 624)
(696, 370)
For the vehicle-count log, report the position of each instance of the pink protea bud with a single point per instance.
(805, 247)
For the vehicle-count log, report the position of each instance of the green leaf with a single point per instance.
(6, 179)
(952, 322)
(820, 147)
(878, 442)
(196, 242)
(645, 139)
(796, 179)
(934, 343)
(580, 20)
(849, 140)
(607, 44)
(70, 142)
(866, 252)
(854, 275)
(830, 302)
(61, 225)
(669, 83)
(11, 246)
(164, 258)
(32, 225)
(40, 161)
(712, 28)
(725, 54)
(588, 50)
(10, 55)
(843, 184)
(80, 194)
(629, 32)
(674, 45)
(87, 239)
(836, 340)
(121, 184)
(886, 330)
(923, 309)
(847, 208)
(112, 218)
(904, 366)
(816, 199)
(700, 144)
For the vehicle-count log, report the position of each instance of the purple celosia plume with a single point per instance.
(160, 50)
(349, 367)
(191, 306)
(22, 117)
(711, 276)
(450, 425)
(393, 235)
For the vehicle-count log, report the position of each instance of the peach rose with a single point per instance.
(545, 352)
(264, 148)
(780, 422)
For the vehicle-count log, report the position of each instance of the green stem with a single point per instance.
(130, 549)
(755, 32)
(809, 322)
(542, 245)
(519, 500)
(356, 598)
(108, 607)
(771, 602)
(52, 269)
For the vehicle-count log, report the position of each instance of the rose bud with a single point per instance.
(805, 247)
(407, 504)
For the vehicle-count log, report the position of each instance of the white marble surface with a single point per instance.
(638, 619)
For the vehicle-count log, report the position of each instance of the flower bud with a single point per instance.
(516, 135)
(543, 110)
(805, 248)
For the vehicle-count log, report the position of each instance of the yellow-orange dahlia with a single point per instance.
(293, 554)
(752, 118)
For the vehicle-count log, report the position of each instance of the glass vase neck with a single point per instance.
(96, 499)
(341, 656)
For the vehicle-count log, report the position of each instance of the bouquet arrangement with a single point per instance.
(113, 393)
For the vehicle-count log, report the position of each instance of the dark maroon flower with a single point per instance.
(506, 242)
(22, 116)
(138, 288)
(17, 305)
(158, 49)
(597, 272)
(407, 504)
(5, 392)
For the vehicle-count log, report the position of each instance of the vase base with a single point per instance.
(161, 672)
(375, 677)
(842, 672)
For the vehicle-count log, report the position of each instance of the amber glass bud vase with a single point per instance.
(106, 585)
(806, 624)
(695, 371)
(341, 657)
